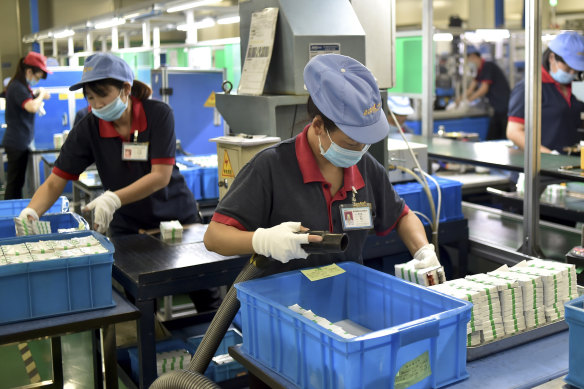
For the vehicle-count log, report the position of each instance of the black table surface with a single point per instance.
(74, 322)
(148, 267)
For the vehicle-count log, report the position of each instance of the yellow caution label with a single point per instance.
(323, 272)
(227, 170)
(210, 100)
(65, 96)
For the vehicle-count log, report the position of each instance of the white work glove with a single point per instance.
(280, 242)
(41, 110)
(426, 257)
(104, 207)
(29, 214)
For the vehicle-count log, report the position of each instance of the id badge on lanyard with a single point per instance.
(356, 216)
(135, 151)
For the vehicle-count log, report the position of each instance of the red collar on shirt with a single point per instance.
(311, 172)
(546, 78)
(107, 130)
(480, 69)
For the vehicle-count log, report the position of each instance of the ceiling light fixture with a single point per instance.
(63, 34)
(109, 23)
(228, 20)
(191, 4)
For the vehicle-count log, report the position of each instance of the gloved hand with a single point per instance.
(41, 110)
(104, 206)
(29, 214)
(280, 242)
(426, 257)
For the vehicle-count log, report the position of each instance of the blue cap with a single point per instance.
(472, 49)
(570, 46)
(346, 92)
(104, 65)
(400, 105)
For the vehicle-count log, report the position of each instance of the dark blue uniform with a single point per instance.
(560, 115)
(283, 183)
(498, 96)
(95, 140)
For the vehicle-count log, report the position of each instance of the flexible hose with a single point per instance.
(193, 377)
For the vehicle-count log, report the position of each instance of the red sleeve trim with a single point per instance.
(64, 174)
(219, 218)
(25, 101)
(405, 211)
(487, 81)
(516, 119)
(162, 161)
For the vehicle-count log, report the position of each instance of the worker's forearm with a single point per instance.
(412, 232)
(228, 240)
(47, 194)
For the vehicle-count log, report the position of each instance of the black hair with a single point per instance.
(20, 74)
(313, 112)
(139, 90)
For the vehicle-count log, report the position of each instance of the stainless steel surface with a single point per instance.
(531, 239)
(427, 74)
(497, 235)
(399, 155)
(301, 23)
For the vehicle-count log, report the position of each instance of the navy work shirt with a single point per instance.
(20, 123)
(283, 183)
(560, 115)
(95, 140)
(499, 90)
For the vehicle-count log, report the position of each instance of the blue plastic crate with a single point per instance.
(210, 182)
(58, 286)
(226, 371)
(416, 198)
(161, 347)
(12, 208)
(575, 320)
(410, 324)
(193, 180)
(57, 220)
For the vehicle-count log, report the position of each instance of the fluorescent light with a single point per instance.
(132, 15)
(493, 35)
(63, 34)
(230, 20)
(443, 37)
(191, 4)
(205, 23)
(109, 23)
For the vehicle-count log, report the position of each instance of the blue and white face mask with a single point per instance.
(340, 156)
(33, 81)
(112, 111)
(562, 76)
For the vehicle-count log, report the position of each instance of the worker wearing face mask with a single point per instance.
(316, 179)
(562, 62)
(21, 106)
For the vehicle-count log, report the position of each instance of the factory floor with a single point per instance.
(77, 362)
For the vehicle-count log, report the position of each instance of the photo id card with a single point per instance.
(135, 151)
(356, 218)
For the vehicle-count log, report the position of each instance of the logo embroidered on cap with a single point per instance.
(581, 53)
(87, 69)
(374, 108)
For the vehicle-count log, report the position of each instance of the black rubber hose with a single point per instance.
(183, 379)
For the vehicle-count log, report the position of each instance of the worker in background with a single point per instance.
(312, 181)
(141, 190)
(5, 83)
(492, 83)
(560, 109)
(401, 108)
(21, 106)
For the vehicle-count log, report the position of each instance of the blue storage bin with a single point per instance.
(575, 319)
(57, 286)
(210, 179)
(416, 198)
(12, 208)
(410, 324)
(161, 347)
(226, 371)
(57, 220)
(193, 180)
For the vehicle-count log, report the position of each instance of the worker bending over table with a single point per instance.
(131, 140)
(560, 109)
(318, 178)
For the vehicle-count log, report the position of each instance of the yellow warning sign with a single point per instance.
(210, 100)
(227, 170)
(65, 96)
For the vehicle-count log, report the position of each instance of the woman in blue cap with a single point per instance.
(314, 180)
(131, 140)
(562, 63)
(21, 106)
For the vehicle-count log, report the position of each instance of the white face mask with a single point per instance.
(339, 156)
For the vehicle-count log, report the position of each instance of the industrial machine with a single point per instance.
(399, 155)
